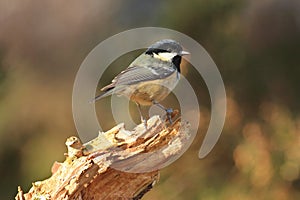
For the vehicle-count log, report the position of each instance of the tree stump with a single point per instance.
(118, 164)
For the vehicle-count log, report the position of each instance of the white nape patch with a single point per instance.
(165, 56)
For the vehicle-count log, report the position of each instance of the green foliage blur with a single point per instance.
(255, 44)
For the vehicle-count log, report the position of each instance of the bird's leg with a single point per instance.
(141, 115)
(169, 111)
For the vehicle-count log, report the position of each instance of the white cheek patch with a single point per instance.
(165, 56)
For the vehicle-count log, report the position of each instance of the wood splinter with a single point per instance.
(118, 164)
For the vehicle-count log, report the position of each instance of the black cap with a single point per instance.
(166, 45)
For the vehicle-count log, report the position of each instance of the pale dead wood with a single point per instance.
(118, 164)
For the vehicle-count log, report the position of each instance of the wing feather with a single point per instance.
(136, 73)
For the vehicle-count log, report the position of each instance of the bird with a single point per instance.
(150, 77)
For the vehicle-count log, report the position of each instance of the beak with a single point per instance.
(183, 53)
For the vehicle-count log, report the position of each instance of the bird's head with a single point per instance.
(167, 50)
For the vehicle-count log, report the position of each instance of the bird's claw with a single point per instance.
(169, 112)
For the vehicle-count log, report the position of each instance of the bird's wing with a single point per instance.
(135, 74)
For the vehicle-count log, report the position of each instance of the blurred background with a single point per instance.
(255, 44)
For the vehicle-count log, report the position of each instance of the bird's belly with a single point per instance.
(145, 93)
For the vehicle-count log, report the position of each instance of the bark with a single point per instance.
(118, 164)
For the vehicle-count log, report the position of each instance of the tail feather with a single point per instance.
(105, 94)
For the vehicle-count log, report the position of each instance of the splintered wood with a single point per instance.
(118, 164)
